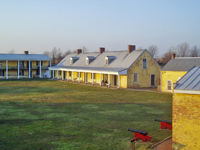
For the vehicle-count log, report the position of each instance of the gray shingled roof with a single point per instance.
(123, 59)
(190, 81)
(15, 57)
(181, 64)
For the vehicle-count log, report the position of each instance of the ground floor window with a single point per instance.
(21, 72)
(59, 73)
(135, 77)
(169, 85)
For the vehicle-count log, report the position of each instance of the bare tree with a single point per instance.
(84, 49)
(47, 53)
(153, 50)
(59, 55)
(167, 56)
(67, 53)
(12, 51)
(183, 49)
(53, 55)
(194, 52)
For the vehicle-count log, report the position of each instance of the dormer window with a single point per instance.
(73, 60)
(89, 59)
(109, 59)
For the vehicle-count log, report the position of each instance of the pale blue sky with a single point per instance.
(41, 25)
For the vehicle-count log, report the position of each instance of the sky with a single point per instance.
(40, 25)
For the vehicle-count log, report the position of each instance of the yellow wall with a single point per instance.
(45, 63)
(186, 121)
(11, 63)
(170, 75)
(144, 79)
(123, 81)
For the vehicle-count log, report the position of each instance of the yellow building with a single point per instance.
(186, 112)
(174, 70)
(24, 65)
(129, 68)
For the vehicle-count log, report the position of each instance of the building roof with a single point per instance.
(14, 57)
(181, 64)
(122, 59)
(190, 82)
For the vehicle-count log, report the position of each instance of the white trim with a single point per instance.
(62, 75)
(18, 69)
(92, 78)
(171, 85)
(29, 69)
(6, 69)
(142, 63)
(100, 79)
(67, 75)
(79, 77)
(187, 91)
(40, 68)
(85, 78)
(137, 77)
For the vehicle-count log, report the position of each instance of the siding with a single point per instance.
(186, 121)
(170, 75)
(144, 79)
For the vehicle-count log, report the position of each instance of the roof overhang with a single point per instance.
(114, 71)
(187, 91)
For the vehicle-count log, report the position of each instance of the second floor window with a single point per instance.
(1, 63)
(144, 63)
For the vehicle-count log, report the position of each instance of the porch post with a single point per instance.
(85, 77)
(49, 73)
(40, 69)
(92, 79)
(73, 76)
(29, 69)
(79, 77)
(118, 82)
(18, 69)
(100, 79)
(6, 69)
(67, 75)
(57, 74)
(53, 74)
(62, 74)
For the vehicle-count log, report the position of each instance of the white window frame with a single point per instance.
(137, 77)
(143, 63)
(168, 85)
(87, 61)
(106, 60)
(1, 63)
(71, 61)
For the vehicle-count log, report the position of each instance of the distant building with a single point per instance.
(175, 69)
(186, 111)
(24, 65)
(129, 68)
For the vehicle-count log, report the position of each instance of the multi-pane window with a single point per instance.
(1, 63)
(169, 85)
(144, 63)
(135, 77)
(59, 73)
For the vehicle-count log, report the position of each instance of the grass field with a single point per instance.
(45, 114)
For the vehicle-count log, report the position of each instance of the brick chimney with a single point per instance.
(173, 56)
(131, 48)
(26, 52)
(101, 50)
(79, 51)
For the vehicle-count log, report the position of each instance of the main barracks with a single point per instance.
(122, 69)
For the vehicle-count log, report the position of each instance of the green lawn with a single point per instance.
(45, 114)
